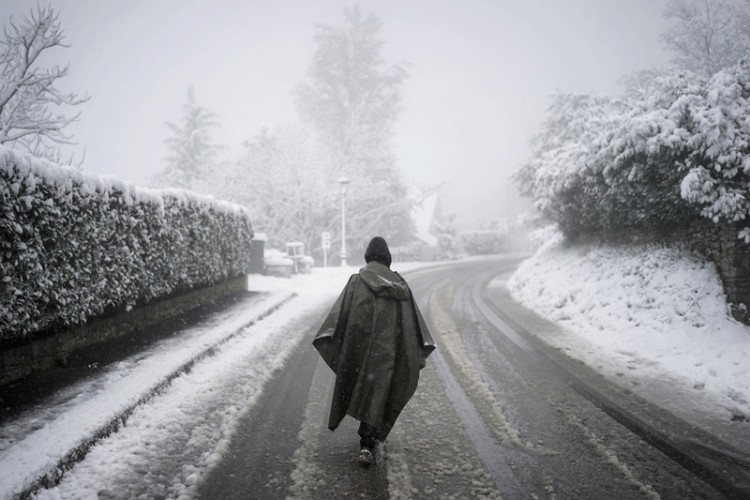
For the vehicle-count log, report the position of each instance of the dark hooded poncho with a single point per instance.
(376, 342)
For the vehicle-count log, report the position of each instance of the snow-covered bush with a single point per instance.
(675, 151)
(74, 246)
(718, 177)
(562, 177)
(484, 242)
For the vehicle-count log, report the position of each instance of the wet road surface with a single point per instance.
(498, 414)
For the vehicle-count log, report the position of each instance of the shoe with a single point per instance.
(366, 458)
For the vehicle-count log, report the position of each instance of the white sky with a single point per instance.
(482, 71)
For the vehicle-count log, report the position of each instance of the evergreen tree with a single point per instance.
(192, 152)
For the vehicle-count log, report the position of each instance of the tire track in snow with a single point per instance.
(55, 474)
(399, 478)
(430, 453)
(307, 476)
(729, 474)
(610, 457)
(472, 380)
(325, 464)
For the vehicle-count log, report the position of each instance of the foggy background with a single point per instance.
(480, 77)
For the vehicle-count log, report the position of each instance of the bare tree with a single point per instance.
(280, 178)
(706, 35)
(29, 100)
(742, 22)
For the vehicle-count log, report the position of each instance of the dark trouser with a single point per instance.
(368, 434)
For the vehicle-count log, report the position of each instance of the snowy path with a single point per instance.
(558, 427)
(172, 442)
(498, 414)
(45, 439)
(39, 445)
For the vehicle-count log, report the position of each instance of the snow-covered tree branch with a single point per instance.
(281, 178)
(674, 152)
(30, 102)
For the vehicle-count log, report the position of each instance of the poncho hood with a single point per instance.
(384, 282)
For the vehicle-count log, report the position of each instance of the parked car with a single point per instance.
(276, 263)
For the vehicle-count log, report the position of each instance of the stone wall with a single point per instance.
(732, 258)
(37, 353)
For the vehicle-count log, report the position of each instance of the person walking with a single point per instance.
(376, 342)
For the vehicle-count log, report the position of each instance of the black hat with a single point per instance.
(378, 251)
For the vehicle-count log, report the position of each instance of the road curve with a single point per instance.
(595, 437)
(498, 414)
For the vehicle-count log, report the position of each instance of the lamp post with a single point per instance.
(343, 181)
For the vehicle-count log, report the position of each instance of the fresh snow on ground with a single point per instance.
(649, 308)
(33, 443)
(658, 310)
(173, 438)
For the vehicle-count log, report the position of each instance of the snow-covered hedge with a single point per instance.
(484, 242)
(676, 150)
(74, 246)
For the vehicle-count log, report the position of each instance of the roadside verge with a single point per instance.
(37, 449)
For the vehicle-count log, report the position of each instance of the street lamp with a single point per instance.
(343, 181)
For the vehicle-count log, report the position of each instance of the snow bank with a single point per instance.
(76, 245)
(657, 308)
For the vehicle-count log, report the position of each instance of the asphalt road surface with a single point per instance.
(498, 414)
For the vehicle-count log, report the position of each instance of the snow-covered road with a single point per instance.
(167, 398)
(645, 311)
(489, 418)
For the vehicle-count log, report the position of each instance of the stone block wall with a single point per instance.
(732, 258)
